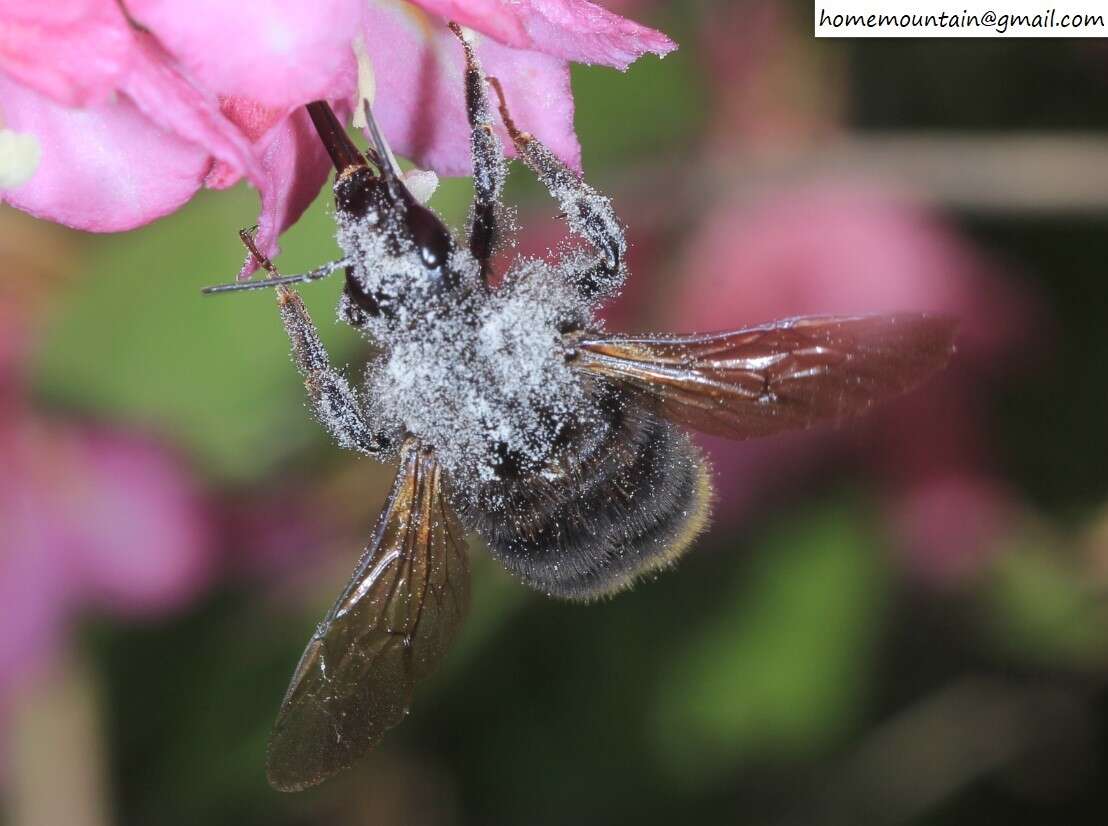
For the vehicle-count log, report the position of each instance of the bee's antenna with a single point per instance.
(253, 285)
(280, 280)
(389, 170)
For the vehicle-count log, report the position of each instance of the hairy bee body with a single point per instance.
(554, 440)
(625, 495)
(578, 486)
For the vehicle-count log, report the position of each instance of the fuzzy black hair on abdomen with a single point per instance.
(626, 497)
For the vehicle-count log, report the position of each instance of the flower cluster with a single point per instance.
(116, 113)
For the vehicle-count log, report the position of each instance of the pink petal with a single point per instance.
(539, 97)
(573, 30)
(104, 169)
(160, 91)
(295, 166)
(254, 121)
(74, 51)
(420, 100)
(251, 118)
(280, 53)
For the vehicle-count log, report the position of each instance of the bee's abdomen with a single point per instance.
(632, 494)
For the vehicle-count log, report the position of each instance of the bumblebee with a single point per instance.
(515, 416)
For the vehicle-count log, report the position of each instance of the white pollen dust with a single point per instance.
(478, 375)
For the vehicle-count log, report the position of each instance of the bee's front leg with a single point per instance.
(489, 164)
(333, 401)
(590, 213)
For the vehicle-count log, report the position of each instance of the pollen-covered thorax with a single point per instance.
(483, 380)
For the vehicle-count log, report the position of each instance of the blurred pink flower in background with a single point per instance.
(122, 111)
(945, 524)
(91, 519)
(841, 248)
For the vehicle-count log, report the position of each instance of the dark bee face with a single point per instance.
(386, 209)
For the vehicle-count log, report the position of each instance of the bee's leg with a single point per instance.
(589, 213)
(489, 164)
(332, 399)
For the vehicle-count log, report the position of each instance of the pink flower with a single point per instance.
(123, 116)
(573, 30)
(90, 519)
(75, 52)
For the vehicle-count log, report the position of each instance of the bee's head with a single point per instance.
(411, 247)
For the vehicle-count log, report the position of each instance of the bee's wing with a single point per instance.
(783, 376)
(388, 629)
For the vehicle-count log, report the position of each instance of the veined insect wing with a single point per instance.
(788, 375)
(388, 629)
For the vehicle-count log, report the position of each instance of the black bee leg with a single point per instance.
(332, 399)
(589, 213)
(489, 164)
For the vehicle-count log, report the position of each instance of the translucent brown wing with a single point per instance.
(787, 375)
(388, 629)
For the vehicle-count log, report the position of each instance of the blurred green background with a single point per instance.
(800, 666)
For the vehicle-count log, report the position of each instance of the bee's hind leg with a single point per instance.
(590, 213)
